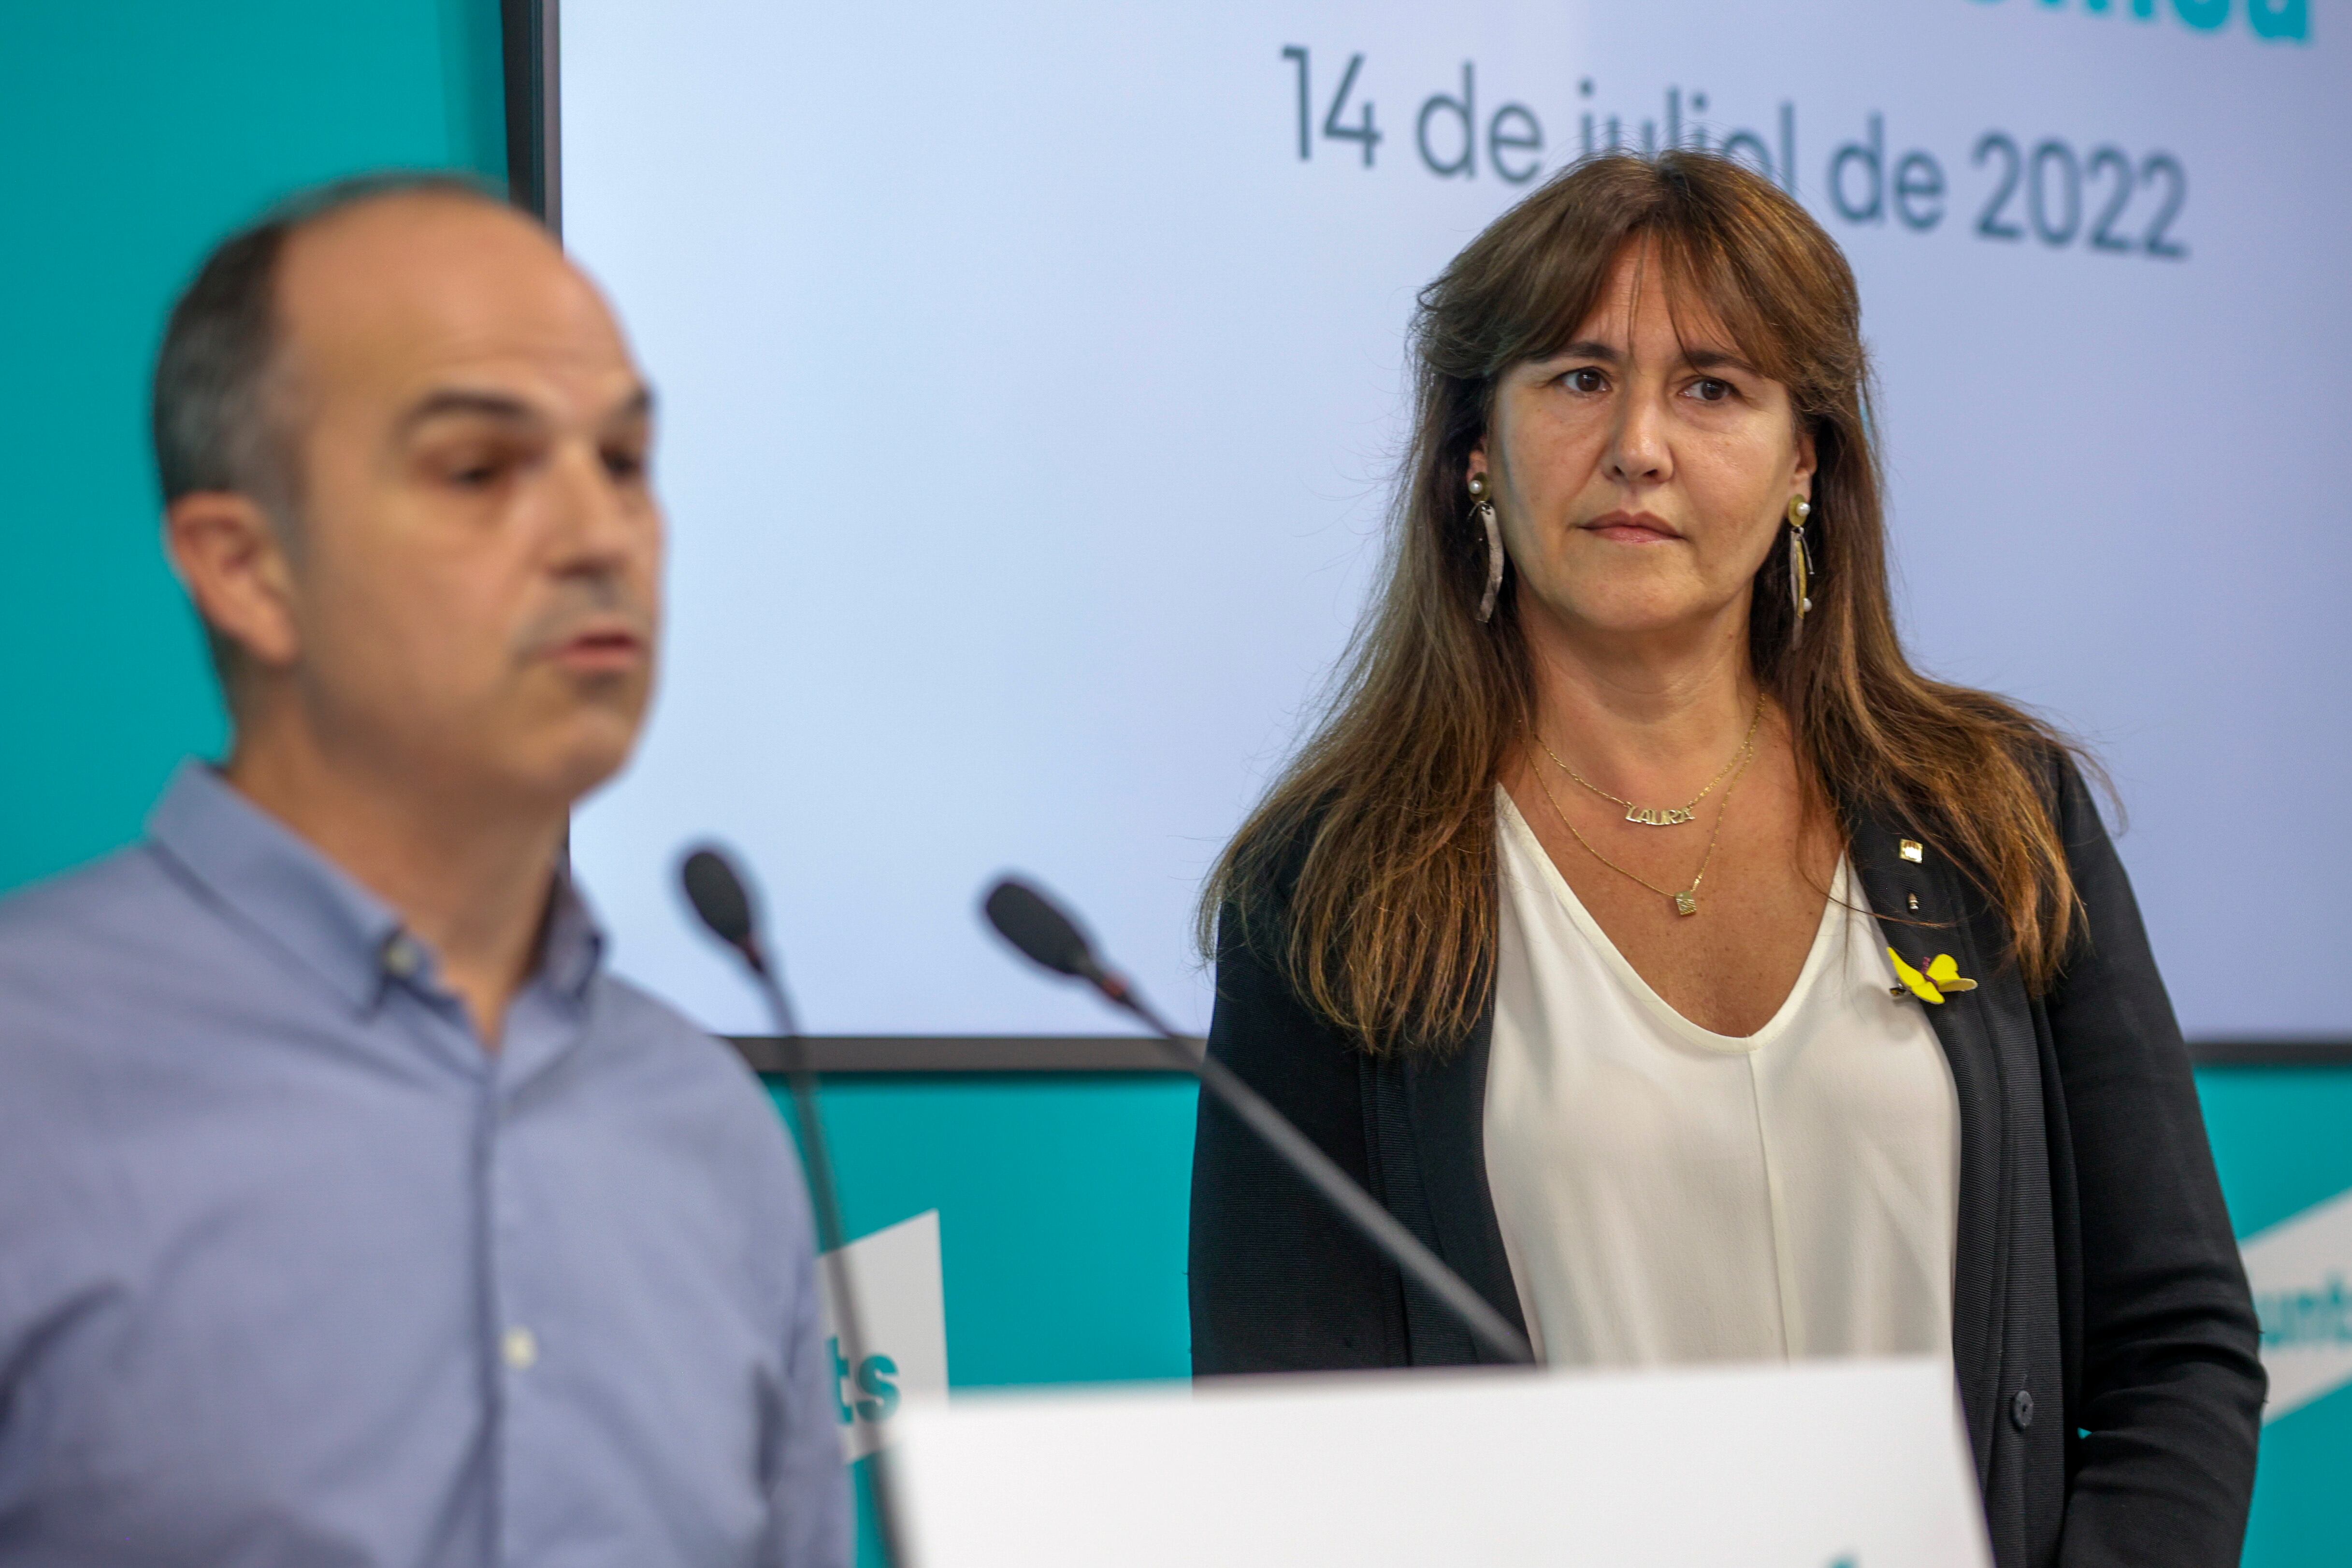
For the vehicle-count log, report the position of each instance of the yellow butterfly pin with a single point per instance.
(1941, 979)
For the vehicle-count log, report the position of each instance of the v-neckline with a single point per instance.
(1817, 956)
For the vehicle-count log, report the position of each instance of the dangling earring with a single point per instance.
(1800, 567)
(1484, 507)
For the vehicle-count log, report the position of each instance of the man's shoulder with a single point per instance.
(110, 913)
(632, 1011)
(97, 967)
(680, 1061)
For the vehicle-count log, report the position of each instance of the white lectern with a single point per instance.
(1850, 1464)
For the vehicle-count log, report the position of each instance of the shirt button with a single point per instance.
(401, 958)
(520, 1347)
(2020, 1409)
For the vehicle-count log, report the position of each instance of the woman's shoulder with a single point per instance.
(2067, 778)
(1264, 867)
(1985, 738)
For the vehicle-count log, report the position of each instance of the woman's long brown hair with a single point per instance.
(1373, 856)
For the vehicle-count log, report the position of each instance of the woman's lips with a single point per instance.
(1631, 529)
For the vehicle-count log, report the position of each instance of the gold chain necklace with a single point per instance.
(1664, 816)
(1687, 901)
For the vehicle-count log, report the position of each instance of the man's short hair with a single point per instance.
(217, 424)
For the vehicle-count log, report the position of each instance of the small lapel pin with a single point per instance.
(1941, 979)
(1914, 851)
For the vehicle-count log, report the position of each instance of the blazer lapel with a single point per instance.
(1446, 1106)
(1890, 879)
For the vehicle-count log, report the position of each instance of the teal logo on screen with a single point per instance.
(2318, 1316)
(2289, 20)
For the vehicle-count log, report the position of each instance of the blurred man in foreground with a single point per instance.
(349, 1212)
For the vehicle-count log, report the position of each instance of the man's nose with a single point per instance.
(597, 521)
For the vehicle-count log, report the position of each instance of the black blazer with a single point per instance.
(2102, 1330)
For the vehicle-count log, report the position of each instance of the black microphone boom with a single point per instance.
(1051, 939)
(722, 904)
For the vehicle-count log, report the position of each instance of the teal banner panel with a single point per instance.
(1063, 1199)
(1061, 1202)
(2282, 1139)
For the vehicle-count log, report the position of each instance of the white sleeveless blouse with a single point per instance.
(1671, 1195)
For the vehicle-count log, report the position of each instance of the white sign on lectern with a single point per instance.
(903, 1311)
(1847, 1464)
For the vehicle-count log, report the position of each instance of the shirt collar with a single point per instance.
(574, 948)
(276, 882)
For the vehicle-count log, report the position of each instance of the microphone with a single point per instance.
(723, 904)
(1044, 935)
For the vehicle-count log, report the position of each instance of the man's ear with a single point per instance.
(232, 561)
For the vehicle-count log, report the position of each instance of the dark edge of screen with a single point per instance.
(984, 1055)
(2270, 1052)
(836, 1055)
(528, 35)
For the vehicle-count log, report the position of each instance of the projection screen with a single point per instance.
(1031, 382)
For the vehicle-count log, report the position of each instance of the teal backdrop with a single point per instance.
(2282, 1139)
(134, 135)
(1062, 1215)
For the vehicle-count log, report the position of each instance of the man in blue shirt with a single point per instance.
(350, 1213)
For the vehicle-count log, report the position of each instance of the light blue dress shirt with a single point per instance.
(293, 1271)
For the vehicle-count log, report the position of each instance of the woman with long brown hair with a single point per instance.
(1696, 978)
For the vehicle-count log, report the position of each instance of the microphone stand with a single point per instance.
(817, 1160)
(1301, 1153)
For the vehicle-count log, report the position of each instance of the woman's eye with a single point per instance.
(1585, 379)
(1707, 388)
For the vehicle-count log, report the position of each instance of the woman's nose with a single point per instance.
(1638, 451)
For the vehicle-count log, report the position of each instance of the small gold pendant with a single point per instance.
(1685, 903)
(1658, 816)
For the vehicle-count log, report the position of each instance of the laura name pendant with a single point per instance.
(1660, 816)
